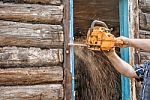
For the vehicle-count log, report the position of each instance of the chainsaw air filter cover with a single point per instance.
(99, 38)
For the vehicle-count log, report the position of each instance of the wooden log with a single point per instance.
(27, 35)
(25, 57)
(144, 56)
(144, 34)
(31, 76)
(144, 5)
(53, 2)
(144, 21)
(37, 92)
(31, 13)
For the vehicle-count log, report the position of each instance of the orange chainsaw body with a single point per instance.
(99, 37)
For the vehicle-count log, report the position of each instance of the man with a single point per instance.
(127, 70)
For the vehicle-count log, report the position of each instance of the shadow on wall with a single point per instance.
(96, 79)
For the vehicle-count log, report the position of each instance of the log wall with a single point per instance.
(31, 76)
(52, 2)
(37, 92)
(144, 26)
(31, 13)
(31, 50)
(30, 35)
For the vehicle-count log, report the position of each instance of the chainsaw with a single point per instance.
(99, 37)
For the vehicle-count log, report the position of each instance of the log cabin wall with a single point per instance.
(144, 26)
(31, 50)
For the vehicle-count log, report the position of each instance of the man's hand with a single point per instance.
(110, 52)
(126, 41)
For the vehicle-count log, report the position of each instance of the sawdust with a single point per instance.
(96, 79)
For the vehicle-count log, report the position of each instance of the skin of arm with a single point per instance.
(121, 66)
(137, 43)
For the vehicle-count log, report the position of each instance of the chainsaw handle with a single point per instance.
(99, 23)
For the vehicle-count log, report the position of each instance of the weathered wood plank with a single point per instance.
(144, 5)
(67, 64)
(37, 35)
(31, 13)
(31, 30)
(31, 76)
(37, 92)
(25, 57)
(29, 42)
(144, 56)
(104, 10)
(145, 21)
(144, 34)
(96, 9)
(53, 2)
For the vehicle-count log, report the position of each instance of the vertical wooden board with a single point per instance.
(67, 68)
(31, 76)
(31, 13)
(133, 33)
(25, 57)
(36, 92)
(134, 18)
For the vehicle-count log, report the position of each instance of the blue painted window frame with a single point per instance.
(71, 36)
(124, 31)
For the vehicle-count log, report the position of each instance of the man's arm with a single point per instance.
(137, 43)
(121, 66)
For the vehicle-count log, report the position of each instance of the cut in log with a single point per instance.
(145, 21)
(144, 34)
(37, 92)
(31, 13)
(25, 57)
(30, 76)
(27, 35)
(144, 5)
(53, 2)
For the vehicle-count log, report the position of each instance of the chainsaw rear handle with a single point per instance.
(98, 23)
